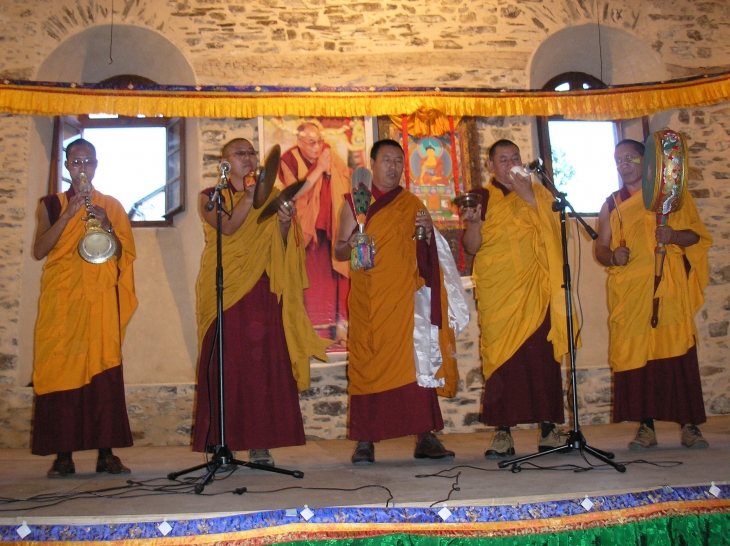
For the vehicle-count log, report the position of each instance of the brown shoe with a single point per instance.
(112, 464)
(364, 453)
(62, 467)
(431, 448)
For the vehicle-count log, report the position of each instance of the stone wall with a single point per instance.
(14, 414)
(332, 42)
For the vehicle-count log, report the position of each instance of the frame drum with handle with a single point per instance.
(664, 179)
(663, 185)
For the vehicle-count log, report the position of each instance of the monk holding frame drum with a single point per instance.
(654, 246)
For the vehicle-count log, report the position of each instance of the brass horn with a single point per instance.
(97, 245)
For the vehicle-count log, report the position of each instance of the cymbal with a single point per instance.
(266, 176)
(285, 196)
(467, 200)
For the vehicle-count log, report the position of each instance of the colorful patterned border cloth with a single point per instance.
(688, 515)
(616, 102)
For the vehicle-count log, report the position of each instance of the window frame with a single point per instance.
(174, 185)
(175, 181)
(575, 81)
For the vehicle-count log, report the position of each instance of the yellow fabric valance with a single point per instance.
(623, 102)
(427, 122)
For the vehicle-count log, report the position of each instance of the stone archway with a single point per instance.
(626, 59)
(84, 57)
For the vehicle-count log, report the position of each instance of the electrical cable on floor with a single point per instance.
(533, 466)
(561, 467)
(151, 488)
(243, 490)
(454, 485)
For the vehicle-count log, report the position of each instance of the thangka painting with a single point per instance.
(432, 176)
(324, 151)
(442, 162)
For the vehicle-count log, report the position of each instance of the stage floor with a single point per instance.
(330, 480)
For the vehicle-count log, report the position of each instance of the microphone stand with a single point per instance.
(222, 455)
(576, 441)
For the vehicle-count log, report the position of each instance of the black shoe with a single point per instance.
(364, 453)
(431, 448)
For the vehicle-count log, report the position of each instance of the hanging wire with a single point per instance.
(111, 35)
(600, 46)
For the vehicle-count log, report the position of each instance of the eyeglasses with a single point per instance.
(88, 161)
(243, 153)
(317, 142)
(627, 159)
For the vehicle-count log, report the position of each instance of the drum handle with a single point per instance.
(660, 252)
(622, 241)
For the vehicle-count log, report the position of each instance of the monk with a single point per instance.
(326, 180)
(385, 398)
(655, 370)
(515, 237)
(268, 338)
(83, 314)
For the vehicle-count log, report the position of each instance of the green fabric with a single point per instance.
(706, 530)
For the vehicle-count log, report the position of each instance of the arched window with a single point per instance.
(141, 160)
(579, 154)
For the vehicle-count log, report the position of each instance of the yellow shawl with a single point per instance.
(254, 249)
(382, 306)
(518, 273)
(84, 308)
(630, 288)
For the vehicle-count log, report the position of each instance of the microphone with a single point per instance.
(533, 166)
(224, 168)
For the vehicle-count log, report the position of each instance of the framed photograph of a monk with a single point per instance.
(323, 151)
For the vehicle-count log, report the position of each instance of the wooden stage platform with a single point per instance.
(396, 496)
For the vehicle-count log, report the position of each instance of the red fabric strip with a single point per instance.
(454, 162)
(406, 161)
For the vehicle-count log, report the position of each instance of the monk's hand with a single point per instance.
(423, 218)
(522, 186)
(620, 256)
(100, 214)
(352, 241)
(471, 214)
(75, 203)
(666, 235)
(324, 161)
(286, 212)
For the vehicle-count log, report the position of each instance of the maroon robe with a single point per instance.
(528, 388)
(261, 399)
